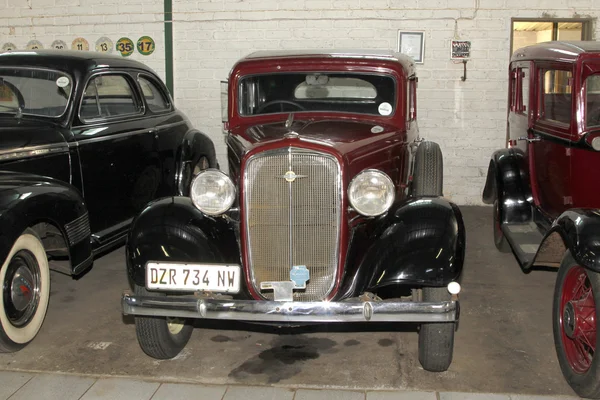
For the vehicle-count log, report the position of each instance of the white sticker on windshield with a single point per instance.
(62, 81)
(377, 129)
(385, 108)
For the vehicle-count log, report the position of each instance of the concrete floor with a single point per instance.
(504, 343)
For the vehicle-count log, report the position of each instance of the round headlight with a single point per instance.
(212, 192)
(371, 192)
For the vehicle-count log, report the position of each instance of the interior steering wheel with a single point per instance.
(281, 103)
(594, 117)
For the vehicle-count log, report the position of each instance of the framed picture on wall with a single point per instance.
(412, 44)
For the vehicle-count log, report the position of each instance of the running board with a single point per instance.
(524, 239)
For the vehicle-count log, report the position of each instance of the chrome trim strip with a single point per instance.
(153, 129)
(294, 311)
(78, 229)
(33, 151)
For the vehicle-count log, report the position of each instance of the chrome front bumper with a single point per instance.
(283, 311)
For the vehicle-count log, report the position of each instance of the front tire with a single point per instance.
(436, 340)
(428, 176)
(25, 278)
(499, 238)
(574, 316)
(161, 337)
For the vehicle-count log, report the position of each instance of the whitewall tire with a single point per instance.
(25, 279)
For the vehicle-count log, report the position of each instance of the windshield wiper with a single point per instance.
(17, 110)
(10, 108)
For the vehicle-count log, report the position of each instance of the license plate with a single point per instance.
(221, 278)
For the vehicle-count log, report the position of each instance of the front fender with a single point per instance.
(195, 145)
(26, 200)
(421, 242)
(508, 182)
(578, 230)
(172, 229)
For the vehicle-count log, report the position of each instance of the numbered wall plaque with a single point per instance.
(34, 45)
(8, 46)
(59, 45)
(125, 46)
(146, 45)
(80, 44)
(104, 45)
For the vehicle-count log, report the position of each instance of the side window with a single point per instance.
(556, 95)
(155, 98)
(524, 103)
(108, 96)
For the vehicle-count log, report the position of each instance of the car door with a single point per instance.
(171, 128)
(519, 119)
(115, 141)
(550, 139)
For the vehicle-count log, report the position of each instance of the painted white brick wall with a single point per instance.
(466, 118)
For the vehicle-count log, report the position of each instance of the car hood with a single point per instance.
(16, 134)
(346, 136)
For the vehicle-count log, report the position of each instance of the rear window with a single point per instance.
(317, 91)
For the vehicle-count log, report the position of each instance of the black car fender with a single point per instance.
(420, 242)
(508, 182)
(173, 229)
(194, 146)
(27, 200)
(577, 230)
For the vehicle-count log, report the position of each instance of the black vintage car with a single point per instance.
(332, 211)
(86, 141)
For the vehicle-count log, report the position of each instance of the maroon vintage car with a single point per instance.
(331, 212)
(545, 190)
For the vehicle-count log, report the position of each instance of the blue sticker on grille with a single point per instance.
(300, 275)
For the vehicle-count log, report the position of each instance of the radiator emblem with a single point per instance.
(291, 176)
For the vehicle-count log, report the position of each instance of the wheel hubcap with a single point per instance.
(21, 288)
(578, 320)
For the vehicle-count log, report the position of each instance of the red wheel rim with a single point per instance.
(578, 320)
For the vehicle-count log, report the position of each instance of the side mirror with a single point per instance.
(224, 105)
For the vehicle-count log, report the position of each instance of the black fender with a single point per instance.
(420, 242)
(508, 182)
(577, 230)
(27, 200)
(194, 146)
(173, 229)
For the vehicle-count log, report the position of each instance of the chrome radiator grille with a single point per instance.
(293, 223)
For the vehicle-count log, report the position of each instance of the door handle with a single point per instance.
(531, 140)
(153, 131)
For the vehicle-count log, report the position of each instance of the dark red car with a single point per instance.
(545, 190)
(331, 212)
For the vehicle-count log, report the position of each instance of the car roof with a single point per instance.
(370, 54)
(556, 50)
(68, 60)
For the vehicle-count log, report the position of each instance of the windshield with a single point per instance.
(33, 91)
(317, 91)
(593, 100)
